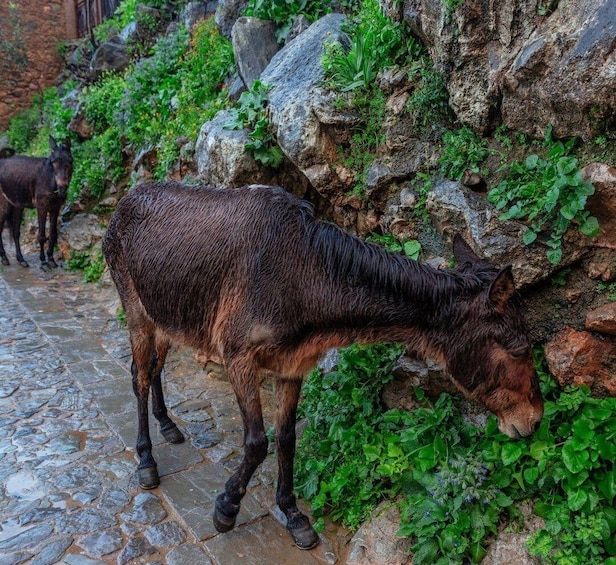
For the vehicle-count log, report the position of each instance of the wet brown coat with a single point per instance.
(249, 276)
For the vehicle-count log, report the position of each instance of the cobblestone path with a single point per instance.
(68, 489)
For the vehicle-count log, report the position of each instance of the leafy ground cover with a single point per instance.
(457, 485)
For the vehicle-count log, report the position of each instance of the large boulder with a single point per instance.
(221, 157)
(455, 208)
(302, 111)
(110, 56)
(512, 63)
(254, 45)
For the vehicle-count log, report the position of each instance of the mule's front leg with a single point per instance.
(53, 237)
(42, 220)
(246, 384)
(298, 524)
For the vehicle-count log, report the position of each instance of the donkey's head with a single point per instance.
(61, 160)
(491, 358)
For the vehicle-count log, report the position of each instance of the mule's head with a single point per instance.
(61, 160)
(491, 358)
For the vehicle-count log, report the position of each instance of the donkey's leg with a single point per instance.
(287, 397)
(142, 342)
(245, 382)
(42, 221)
(53, 236)
(5, 209)
(18, 214)
(167, 427)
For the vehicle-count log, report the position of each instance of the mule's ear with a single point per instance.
(502, 287)
(67, 143)
(52, 143)
(463, 252)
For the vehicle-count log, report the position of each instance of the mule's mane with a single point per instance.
(350, 259)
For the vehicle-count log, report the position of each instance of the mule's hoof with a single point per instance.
(23, 263)
(52, 264)
(172, 434)
(223, 523)
(5, 261)
(45, 266)
(148, 478)
(304, 536)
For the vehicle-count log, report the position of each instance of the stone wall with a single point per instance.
(30, 31)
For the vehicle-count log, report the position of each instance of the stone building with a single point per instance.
(31, 36)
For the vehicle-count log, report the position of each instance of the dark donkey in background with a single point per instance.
(34, 182)
(248, 276)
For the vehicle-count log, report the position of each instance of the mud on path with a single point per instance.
(68, 488)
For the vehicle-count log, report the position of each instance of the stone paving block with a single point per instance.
(262, 541)
(114, 397)
(193, 494)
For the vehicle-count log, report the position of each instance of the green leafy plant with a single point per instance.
(609, 289)
(92, 265)
(456, 484)
(463, 151)
(549, 194)
(410, 247)
(429, 101)
(252, 114)
(361, 150)
(285, 12)
(374, 42)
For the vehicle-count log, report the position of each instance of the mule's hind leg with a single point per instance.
(15, 230)
(5, 215)
(167, 426)
(298, 524)
(245, 381)
(142, 343)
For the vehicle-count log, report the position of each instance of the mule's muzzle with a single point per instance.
(517, 428)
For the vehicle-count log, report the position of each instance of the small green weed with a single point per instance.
(429, 101)
(92, 265)
(549, 194)
(285, 12)
(411, 247)
(463, 151)
(252, 114)
(609, 289)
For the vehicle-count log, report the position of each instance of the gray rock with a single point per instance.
(227, 12)
(110, 56)
(194, 12)
(557, 68)
(100, 543)
(165, 534)
(295, 74)
(254, 45)
(454, 208)
(136, 547)
(187, 554)
(147, 509)
(221, 157)
(376, 542)
(52, 552)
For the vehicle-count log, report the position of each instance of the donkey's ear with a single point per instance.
(52, 143)
(67, 143)
(463, 252)
(502, 287)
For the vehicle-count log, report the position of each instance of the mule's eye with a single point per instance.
(520, 352)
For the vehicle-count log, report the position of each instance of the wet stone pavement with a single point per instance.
(68, 488)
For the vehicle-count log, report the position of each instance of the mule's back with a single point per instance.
(191, 251)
